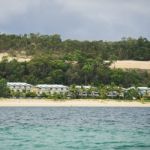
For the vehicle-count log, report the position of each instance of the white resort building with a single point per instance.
(143, 90)
(19, 86)
(87, 90)
(51, 89)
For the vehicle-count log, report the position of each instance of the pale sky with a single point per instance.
(77, 19)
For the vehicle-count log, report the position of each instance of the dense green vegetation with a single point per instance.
(73, 62)
(45, 69)
(127, 48)
(4, 91)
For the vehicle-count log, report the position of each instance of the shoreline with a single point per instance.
(70, 103)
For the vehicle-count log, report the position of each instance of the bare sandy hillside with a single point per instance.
(19, 58)
(131, 64)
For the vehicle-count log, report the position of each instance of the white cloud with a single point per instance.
(124, 17)
(12, 8)
(83, 19)
(106, 9)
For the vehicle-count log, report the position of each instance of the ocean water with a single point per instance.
(47, 128)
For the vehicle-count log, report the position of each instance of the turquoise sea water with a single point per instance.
(74, 128)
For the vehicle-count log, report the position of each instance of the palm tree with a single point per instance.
(74, 91)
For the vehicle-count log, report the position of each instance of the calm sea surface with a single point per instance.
(74, 128)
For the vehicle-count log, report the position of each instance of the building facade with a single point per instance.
(51, 89)
(85, 91)
(143, 90)
(19, 87)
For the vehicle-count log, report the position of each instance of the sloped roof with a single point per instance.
(18, 84)
(51, 86)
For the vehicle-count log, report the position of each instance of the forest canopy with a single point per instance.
(71, 61)
(125, 49)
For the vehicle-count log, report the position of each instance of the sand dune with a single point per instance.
(131, 64)
(19, 58)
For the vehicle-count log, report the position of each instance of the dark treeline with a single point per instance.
(127, 48)
(72, 62)
(46, 69)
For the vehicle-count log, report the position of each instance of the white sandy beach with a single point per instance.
(70, 103)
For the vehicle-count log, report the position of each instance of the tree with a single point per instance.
(103, 91)
(87, 70)
(30, 94)
(74, 91)
(132, 94)
(4, 91)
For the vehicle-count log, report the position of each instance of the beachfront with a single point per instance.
(70, 103)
